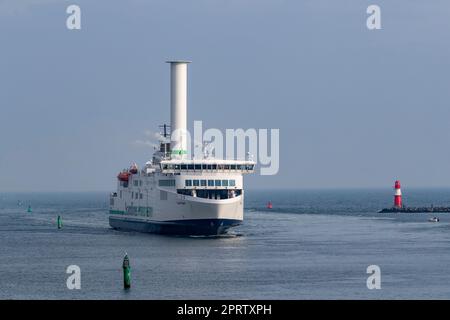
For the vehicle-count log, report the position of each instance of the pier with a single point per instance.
(431, 209)
(400, 208)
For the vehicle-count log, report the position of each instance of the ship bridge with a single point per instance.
(206, 178)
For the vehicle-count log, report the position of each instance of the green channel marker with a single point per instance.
(126, 272)
(59, 222)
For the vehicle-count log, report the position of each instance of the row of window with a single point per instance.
(137, 183)
(189, 183)
(210, 183)
(134, 195)
(207, 166)
(166, 183)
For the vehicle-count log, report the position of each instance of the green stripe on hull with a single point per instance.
(116, 212)
(134, 211)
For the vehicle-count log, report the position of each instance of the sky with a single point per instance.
(356, 108)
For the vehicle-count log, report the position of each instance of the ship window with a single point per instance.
(214, 166)
(198, 167)
(209, 167)
(190, 167)
(232, 183)
(166, 183)
(196, 183)
(227, 167)
(165, 166)
(136, 183)
(210, 183)
(204, 166)
(203, 183)
(188, 183)
(183, 167)
(177, 167)
(233, 167)
(140, 195)
(225, 183)
(218, 183)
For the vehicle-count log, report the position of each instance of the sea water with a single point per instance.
(313, 244)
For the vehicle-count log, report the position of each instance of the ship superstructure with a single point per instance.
(172, 194)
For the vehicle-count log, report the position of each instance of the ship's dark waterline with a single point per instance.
(200, 227)
(311, 244)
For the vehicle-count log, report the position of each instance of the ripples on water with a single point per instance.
(312, 244)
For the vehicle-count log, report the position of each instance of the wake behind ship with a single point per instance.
(176, 195)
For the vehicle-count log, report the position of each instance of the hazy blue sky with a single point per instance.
(355, 108)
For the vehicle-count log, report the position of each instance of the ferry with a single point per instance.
(172, 194)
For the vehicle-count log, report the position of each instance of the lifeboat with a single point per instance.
(124, 176)
(134, 169)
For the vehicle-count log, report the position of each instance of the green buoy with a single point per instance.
(29, 209)
(126, 272)
(59, 222)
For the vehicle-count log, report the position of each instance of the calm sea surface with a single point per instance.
(311, 245)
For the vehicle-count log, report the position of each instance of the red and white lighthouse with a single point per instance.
(397, 195)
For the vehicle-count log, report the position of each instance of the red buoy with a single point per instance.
(397, 195)
(269, 205)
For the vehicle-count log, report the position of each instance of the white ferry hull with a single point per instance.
(184, 215)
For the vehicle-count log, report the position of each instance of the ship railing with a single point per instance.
(208, 168)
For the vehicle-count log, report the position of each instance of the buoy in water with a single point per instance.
(269, 205)
(29, 209)
(126, 272)
(59, 222)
